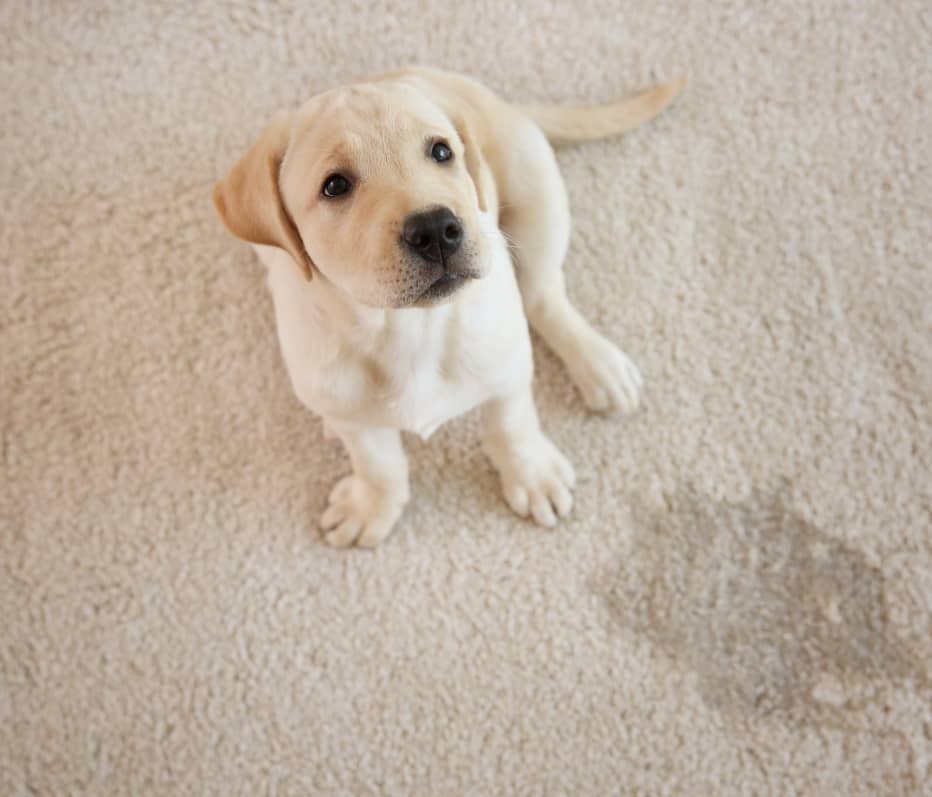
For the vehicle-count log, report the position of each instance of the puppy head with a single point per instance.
(372, 186)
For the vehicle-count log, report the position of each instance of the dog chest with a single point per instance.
(422, 369)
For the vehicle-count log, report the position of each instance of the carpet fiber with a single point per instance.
(740, 603)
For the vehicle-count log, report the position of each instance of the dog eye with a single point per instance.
(440, 152)
(336, 185)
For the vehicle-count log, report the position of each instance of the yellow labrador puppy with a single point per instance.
(412, 225)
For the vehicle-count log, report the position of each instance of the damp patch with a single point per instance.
(774, 616)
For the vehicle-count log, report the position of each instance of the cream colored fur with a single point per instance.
(364, 349)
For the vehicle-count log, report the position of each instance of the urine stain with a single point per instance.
(775, 617)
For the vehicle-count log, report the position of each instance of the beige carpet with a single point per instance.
(741, 601)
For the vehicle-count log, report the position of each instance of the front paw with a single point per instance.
(360, 514)
(605, 376)
(537, 480)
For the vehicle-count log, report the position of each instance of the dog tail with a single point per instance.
(563, 125)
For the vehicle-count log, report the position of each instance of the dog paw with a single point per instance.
(537, 480)
(605, 376)
(360, 514)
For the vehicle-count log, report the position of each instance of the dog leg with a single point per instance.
(536, 218)
(364, 506)
(605, 376)
(536, 478)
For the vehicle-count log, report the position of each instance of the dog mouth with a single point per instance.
(442, 277)
(445, 285)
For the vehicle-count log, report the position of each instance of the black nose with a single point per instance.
(433, 234)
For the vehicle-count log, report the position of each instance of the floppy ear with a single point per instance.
(475, 164)
(249, 199)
